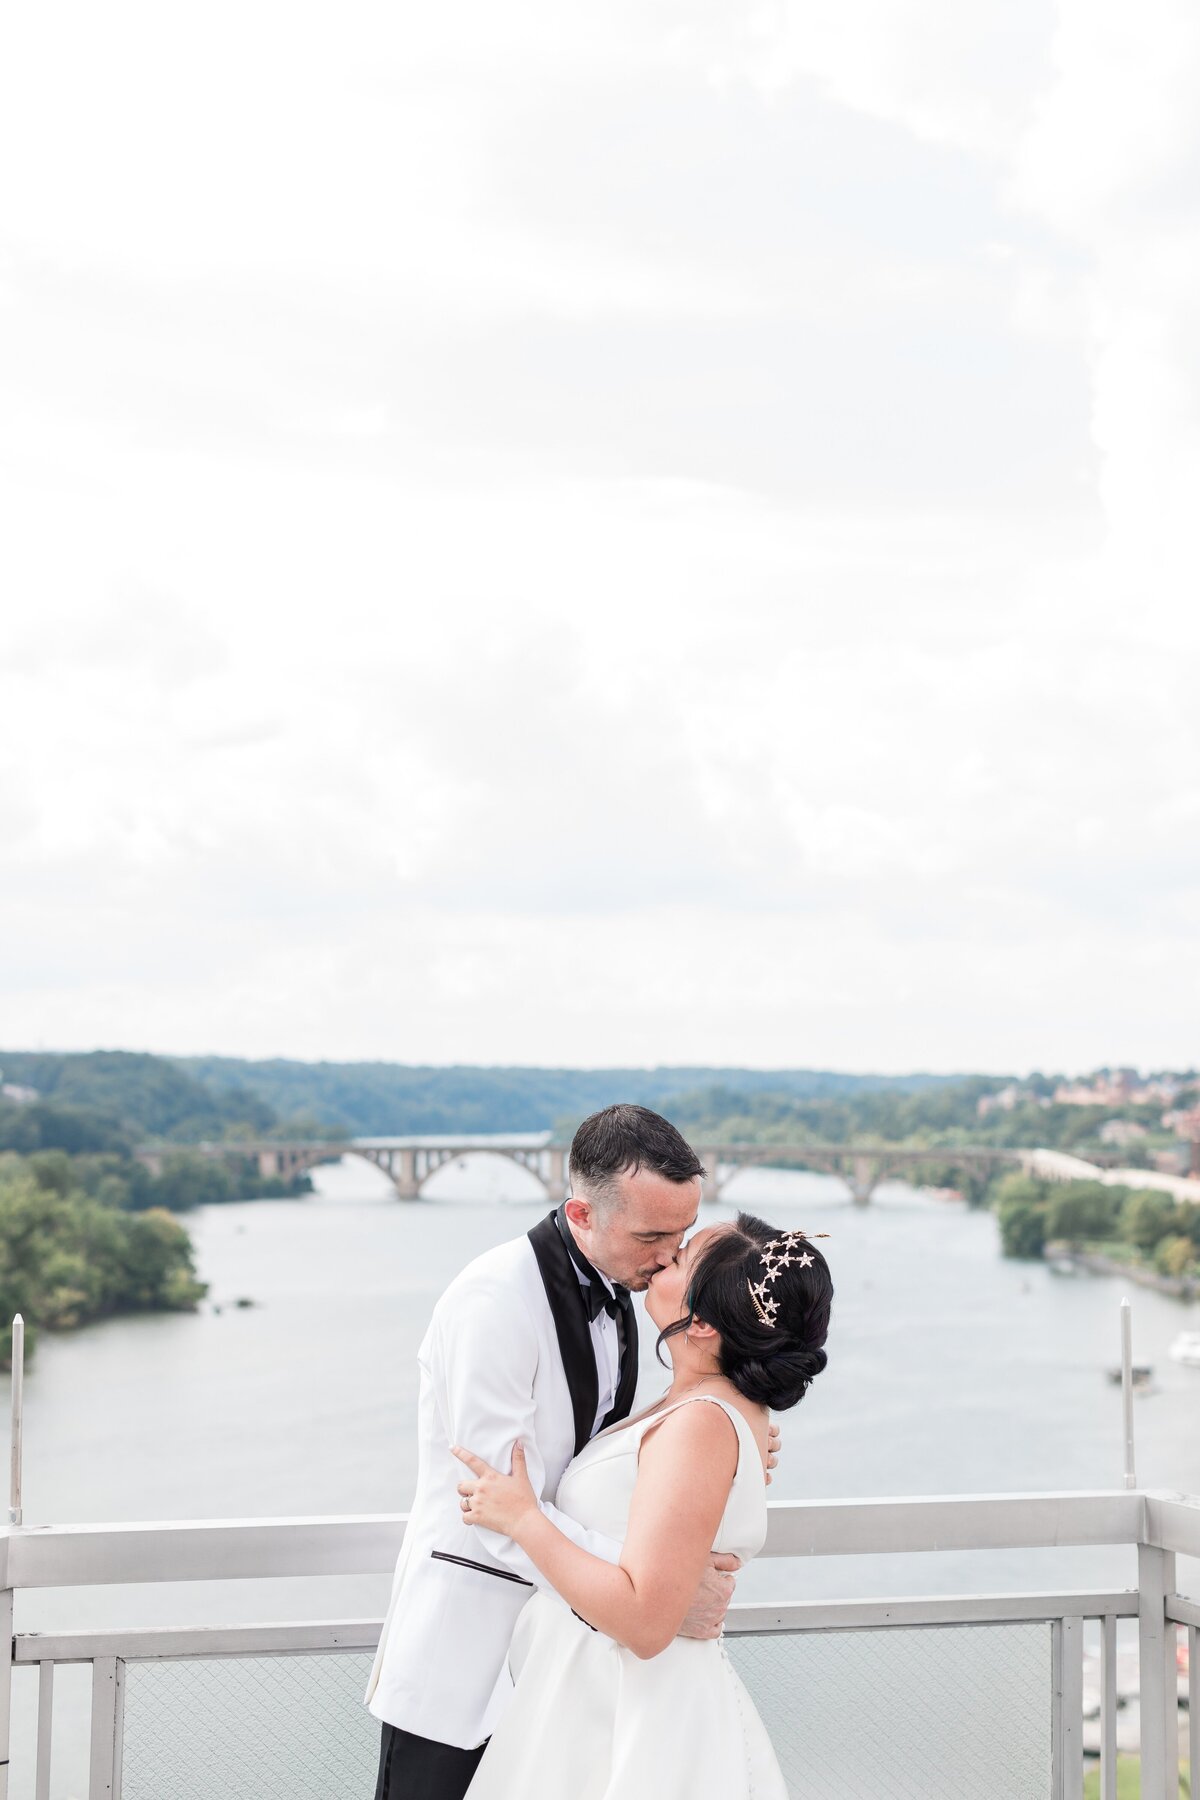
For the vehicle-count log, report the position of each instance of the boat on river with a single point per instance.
(1186, 1348)
(1141, 1375)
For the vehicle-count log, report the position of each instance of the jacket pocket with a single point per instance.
(464, 1562)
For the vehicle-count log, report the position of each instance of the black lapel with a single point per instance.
(569, 1312)
(627, 1383)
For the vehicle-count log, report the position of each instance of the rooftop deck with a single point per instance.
(974, 1695)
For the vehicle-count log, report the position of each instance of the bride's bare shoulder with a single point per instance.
(689, 1432)
(694, 1424)
(757, 1417)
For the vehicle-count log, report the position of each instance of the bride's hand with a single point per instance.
(499, 1502)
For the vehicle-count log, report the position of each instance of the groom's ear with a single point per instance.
(579, 1213)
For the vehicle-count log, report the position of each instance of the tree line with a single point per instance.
(109, 1100)
(86, 1227)
(67, 1257)
(1140, 1224)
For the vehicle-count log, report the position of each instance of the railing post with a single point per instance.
(45, 1731)
(15, 1445)
(1193, 1643)
(1108, 1710)
(104, 1782)
(1072, 1709)
(1066, 1709)
(1156, 1675)
(6, 1665)
(1127, 1392)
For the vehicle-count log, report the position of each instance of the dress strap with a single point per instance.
(739, 1422)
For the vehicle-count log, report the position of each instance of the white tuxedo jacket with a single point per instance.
(508, 1355)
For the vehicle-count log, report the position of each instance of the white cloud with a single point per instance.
(952, 74)
(543, 537)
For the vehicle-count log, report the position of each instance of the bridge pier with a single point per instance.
(710, 1189)
(862, 1180)
(555, 1177)
(402, 1167)
(402, 1170)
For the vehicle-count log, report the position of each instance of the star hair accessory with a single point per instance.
(779, 1254)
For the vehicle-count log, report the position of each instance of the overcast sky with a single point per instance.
(629, 533)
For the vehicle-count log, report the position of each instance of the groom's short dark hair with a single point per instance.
(620, 1140)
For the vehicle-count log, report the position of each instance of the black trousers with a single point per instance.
(417, 1768)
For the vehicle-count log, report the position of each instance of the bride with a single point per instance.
(609, 1703)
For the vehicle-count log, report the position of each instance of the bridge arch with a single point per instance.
(409, 1162)
(409, 1166)
(861, 1166)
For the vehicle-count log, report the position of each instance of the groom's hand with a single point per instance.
(773, 1442)
(706, 1615)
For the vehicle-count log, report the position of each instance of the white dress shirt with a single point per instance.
(607, 1345)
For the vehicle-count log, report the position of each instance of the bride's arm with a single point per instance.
(687, 1466)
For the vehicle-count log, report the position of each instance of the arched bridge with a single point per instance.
(409, 1161)
(861, 1166)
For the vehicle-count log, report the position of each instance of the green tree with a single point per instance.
(189, 1180)
(66, 1258)
(51, 1169)
(1174, 1255)
(1022, 1227)
(1147, 1216)
(1017, 1186)
(156, 1251)
(1083, 1211)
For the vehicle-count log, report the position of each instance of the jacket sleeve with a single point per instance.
(488, 1351)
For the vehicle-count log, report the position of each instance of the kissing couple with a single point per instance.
(555, 1619)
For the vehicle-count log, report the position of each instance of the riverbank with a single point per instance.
(69, 1260)
(1095, 1262)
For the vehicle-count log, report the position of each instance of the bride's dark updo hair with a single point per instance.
(770, 1363)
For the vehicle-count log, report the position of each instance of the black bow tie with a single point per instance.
(596, 1297)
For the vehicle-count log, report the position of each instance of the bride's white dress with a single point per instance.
(591, 1720)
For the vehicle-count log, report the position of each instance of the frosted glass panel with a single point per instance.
(249, 1728)
(936, 1713)
(957, 1712)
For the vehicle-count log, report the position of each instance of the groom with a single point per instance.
(535, 1340)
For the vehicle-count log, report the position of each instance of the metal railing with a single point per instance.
(974, 1694)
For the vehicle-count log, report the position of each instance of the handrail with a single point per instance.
(198, 1550)
(143, 1643)
(1173, 1522)
(219, 1549)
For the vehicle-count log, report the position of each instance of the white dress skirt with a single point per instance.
(590, 1720)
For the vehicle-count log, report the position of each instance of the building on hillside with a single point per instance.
(1162, 1088)
(1006, 1100)
(1107, 1087)
(1121, 1131)
(1078, 1093)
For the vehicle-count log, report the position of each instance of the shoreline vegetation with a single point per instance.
(67, 1259)
(1141, 1233)
(1179, 1287)
(88, 1229)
